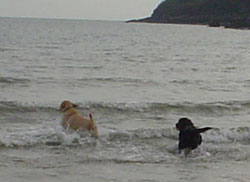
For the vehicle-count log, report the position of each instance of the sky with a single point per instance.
(79, 9)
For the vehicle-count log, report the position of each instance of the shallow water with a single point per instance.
(137, 80)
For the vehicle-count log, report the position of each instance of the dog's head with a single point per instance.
(183, 123)
(65, 105)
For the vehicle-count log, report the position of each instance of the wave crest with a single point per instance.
(214, 109)
(11, 80)
(57, 135)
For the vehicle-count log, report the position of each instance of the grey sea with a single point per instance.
(137, 80)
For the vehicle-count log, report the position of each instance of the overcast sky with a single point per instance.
(79, 9)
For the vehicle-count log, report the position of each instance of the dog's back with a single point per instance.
(189, 138)
(72, 119)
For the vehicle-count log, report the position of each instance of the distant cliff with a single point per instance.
(228, 13)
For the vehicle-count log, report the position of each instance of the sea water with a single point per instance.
(137, 80)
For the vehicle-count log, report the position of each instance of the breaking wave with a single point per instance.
(57, 135)
(213, 108)
(138, 145)
(134, 146)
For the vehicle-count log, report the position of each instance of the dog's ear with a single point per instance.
(62, 106)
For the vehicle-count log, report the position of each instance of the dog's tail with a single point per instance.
(201, 130)
(93, 126)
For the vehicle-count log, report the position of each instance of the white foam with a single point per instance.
(241, 134)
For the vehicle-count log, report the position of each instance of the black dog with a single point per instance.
(189, 136)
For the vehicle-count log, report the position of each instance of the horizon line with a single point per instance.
(63, 18)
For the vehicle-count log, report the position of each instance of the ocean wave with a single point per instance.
(143, 134)
(47, 47)
(35, 136)
(118, 80)
(56, 135)
(11, 80)
(213, 108)
(6, 49)
(214, 136)
(13, 106)
(134, 146)
(233, 135)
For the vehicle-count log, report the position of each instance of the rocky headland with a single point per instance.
(227, 13)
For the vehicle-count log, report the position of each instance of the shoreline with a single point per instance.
(235, 23)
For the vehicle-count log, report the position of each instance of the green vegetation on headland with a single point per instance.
(227, 13)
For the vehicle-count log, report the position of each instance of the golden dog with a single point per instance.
(72, 119)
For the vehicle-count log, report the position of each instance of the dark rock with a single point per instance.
(228, 13)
